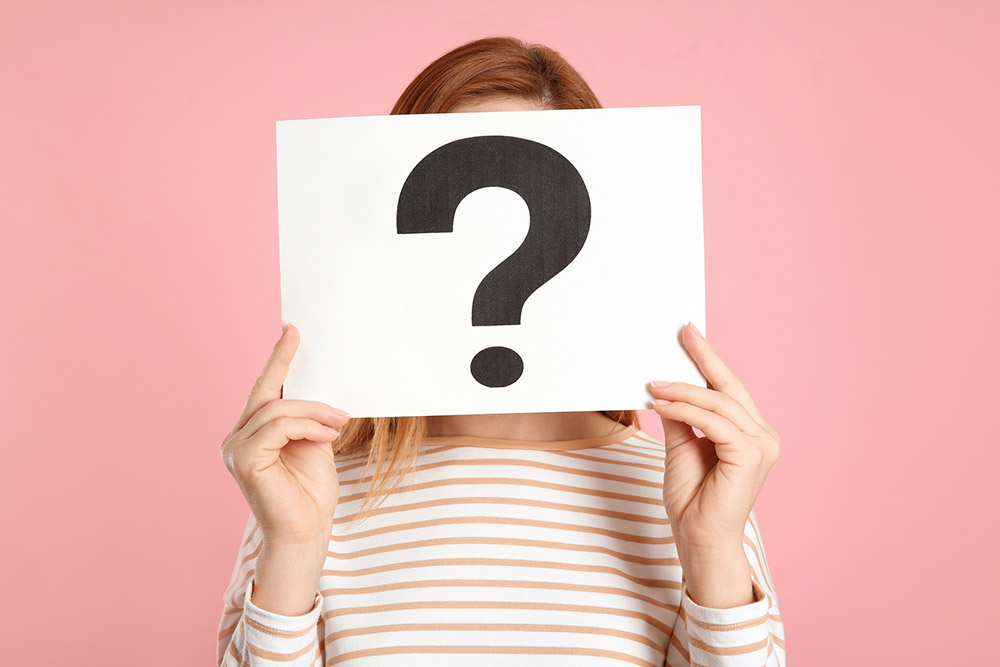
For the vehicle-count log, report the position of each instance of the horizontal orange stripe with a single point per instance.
(274, 632)
(476, 500)
(616, 462)
(496, 627)
(512, 463)
(477, 481)
(280, 657)
(652, 456)
(490, 650)
(728, 650)
(340, 612)
(492, 583)
(485, 520)
(399, 546)
(500, 562)
(729, 627)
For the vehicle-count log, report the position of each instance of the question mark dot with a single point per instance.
(497, 367)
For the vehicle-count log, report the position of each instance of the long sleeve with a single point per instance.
(750, 635)
(249, 635)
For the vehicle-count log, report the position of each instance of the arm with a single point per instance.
(264, 579)
(748, 634)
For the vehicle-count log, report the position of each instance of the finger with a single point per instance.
(287, 407)
(258, 452)
(716, 428)
(709, 399)
(268, 384)
(717, 372)
(278, 432)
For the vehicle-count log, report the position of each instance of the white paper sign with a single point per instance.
(491, 262)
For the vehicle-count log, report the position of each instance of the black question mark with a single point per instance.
(559, 220)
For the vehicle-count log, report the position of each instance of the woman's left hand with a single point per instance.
(710, 483)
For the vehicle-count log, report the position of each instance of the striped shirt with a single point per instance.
(506, 552)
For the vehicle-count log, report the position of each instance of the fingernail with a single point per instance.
(661, 384)
(695, 329)
(333, 431)
(660, 401)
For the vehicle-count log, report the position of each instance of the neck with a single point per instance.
(526, 425)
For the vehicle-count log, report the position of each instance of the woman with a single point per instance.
(537, 538)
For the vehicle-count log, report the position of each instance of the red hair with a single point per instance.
(497, 66)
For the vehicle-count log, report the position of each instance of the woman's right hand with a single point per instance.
(280, 454)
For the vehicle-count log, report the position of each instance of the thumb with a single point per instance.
(675, 432)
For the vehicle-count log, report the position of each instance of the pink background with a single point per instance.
(850, 179)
